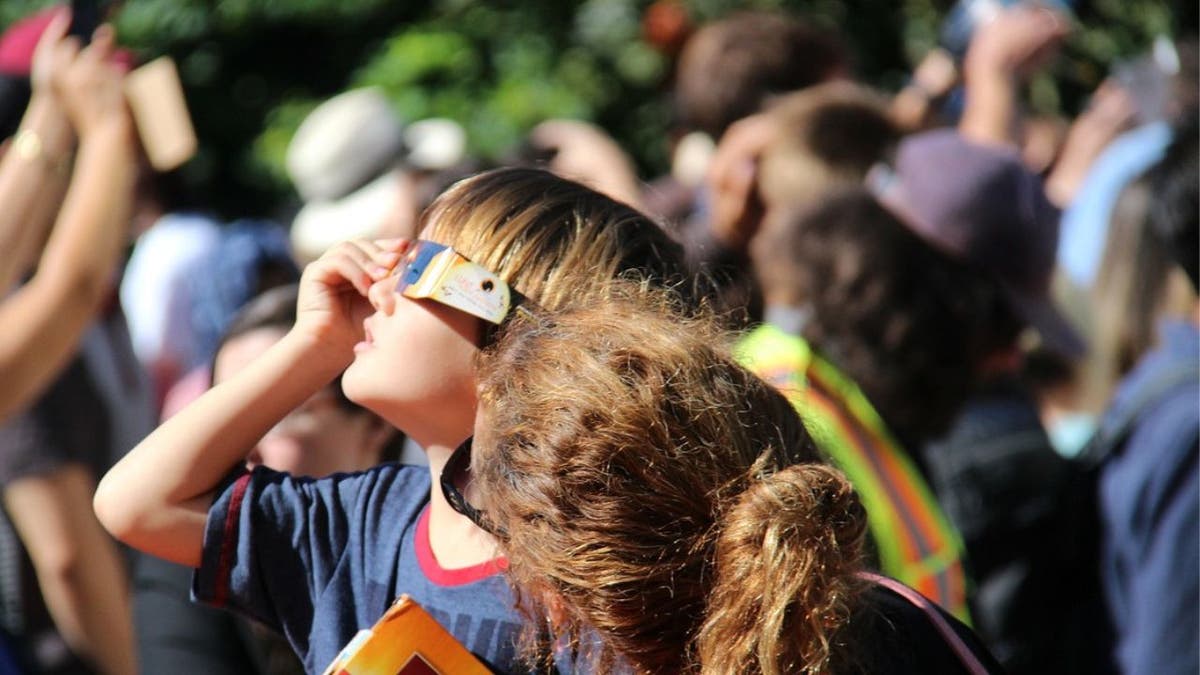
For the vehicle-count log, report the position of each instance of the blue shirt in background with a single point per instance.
(1150, 511)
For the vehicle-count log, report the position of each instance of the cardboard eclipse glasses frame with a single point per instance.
(431, 271)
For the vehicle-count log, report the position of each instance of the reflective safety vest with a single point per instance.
(914, 539)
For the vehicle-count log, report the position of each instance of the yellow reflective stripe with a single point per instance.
(917, 508)
(915, 540)
(881, 517)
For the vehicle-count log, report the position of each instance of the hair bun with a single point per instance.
(787, 555)
(808, 505)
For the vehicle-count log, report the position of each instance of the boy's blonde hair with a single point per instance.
(553, 239)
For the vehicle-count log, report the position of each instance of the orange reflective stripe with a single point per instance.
(957, 581)
(915, 540)
(833, 412)
(928, 535)
(884, 455)
(918, 530)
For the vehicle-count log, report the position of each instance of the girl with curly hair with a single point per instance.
(664, 510)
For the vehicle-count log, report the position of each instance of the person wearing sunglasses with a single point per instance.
(318, 560)
(664, 510)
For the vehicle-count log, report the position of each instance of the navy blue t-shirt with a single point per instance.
(1149, 499)
(320, 559)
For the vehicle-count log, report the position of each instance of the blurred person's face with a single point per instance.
(318, 438)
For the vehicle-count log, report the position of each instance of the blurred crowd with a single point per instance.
(986, 321)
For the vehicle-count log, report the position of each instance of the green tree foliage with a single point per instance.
(254, 68)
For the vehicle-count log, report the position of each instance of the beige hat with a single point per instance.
(359, 215)
(346, 161)
(344, 143)
(435, 143)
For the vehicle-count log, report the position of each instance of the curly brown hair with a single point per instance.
(908, 323)
(663, 505)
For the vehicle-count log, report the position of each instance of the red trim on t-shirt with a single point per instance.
(449, 577)
(229, 541)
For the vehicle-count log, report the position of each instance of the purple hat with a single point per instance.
(980, 204)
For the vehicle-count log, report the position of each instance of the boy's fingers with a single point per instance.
(380, 261)
(385, 257)
(398, 244)
(349, 269)
(363, 252)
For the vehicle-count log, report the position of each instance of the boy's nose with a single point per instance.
(382, 294)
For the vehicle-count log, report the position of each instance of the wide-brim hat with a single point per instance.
(981, 204)
(343, 144)
(347, 160)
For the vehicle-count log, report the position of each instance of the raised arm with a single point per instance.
(737, 211)
(157, 497)
(36, 165)
(1112, 112)
(45, 317)
(1002, 55)
(586, 153)
(914, 107)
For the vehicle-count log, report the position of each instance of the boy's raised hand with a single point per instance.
(333, 290)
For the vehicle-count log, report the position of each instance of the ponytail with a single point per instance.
(786, 559)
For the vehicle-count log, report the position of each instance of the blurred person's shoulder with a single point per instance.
(1158, 395)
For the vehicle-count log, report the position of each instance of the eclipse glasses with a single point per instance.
(436, 272)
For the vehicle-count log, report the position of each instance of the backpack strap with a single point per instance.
(1111, 435)
(951, 637)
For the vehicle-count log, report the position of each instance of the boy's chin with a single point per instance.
(352, 385)
(362, 388)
